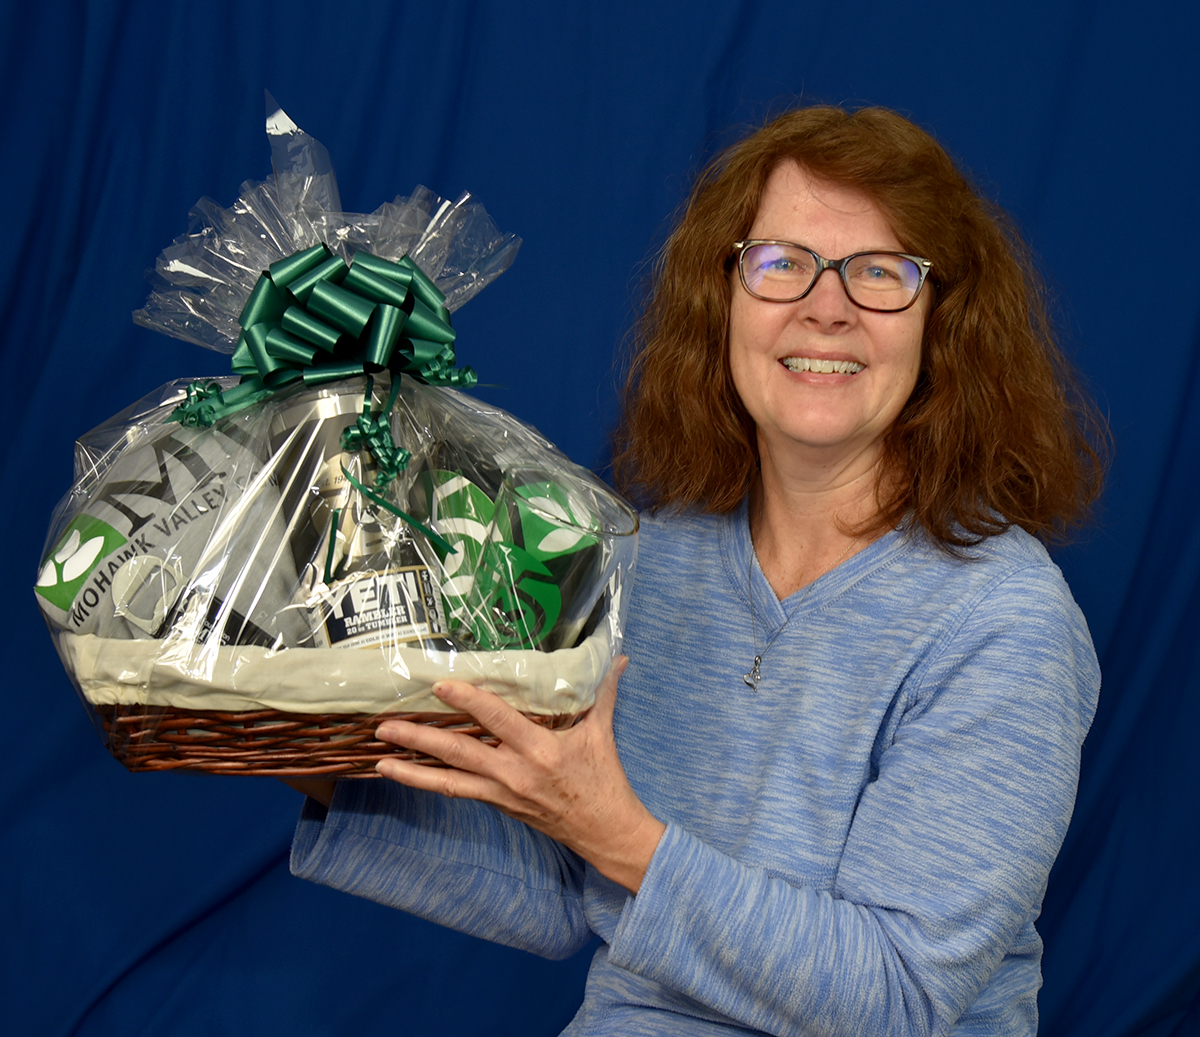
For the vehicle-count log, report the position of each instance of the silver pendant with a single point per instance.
(753, 677)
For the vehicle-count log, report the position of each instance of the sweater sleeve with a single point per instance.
(946, 859)
(459, 863)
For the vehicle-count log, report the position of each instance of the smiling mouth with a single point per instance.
(804, 363)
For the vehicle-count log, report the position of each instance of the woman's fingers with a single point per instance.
(517, 733)
(537, 745)
(494, 714)
(473, 769)
(606, 694)
(454, 784)
(451, 747)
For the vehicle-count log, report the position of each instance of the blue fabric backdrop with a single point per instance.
(161, 904)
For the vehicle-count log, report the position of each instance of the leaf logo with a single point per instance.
(559, 540)
(63, 573)
(550, 507)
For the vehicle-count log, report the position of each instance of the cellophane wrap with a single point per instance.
(308, 538)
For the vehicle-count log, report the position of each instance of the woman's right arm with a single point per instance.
(458, 863)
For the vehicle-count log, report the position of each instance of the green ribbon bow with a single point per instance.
(314, 319)
(311, 317)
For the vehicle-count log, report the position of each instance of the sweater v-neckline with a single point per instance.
(740, 558)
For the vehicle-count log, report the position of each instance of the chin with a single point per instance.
(829, 437)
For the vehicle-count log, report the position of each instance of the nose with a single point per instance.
(827, 302)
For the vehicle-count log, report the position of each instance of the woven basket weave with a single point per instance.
(271, 742)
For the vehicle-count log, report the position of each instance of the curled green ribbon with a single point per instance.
(314, 319)
(207, 402)
(373, 432)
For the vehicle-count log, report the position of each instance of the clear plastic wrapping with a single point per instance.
(248, 571)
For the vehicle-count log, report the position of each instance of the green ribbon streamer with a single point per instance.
(311, 317)
(334, 522)
(386, 504)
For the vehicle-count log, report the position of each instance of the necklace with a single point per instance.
(755, 675)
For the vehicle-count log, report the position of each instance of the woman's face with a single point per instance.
(777, 350)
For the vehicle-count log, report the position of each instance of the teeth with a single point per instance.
(803, 363)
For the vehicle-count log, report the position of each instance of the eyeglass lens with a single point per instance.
(876, 280)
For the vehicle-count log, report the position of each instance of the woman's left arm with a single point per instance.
(944, 865)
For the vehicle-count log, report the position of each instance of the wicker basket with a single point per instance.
(272, 742)
(305, 711)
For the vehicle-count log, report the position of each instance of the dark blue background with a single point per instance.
(161, 904)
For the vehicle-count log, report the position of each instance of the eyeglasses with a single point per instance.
(780, 271)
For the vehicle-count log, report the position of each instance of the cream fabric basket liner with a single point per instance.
(328, 680)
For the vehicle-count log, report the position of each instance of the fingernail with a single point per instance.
(441, 689)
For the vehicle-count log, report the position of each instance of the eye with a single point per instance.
(879, 274)
(882, 272)
(777, 271)
(780, 264)
(779, 261)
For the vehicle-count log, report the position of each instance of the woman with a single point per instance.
(846, 750)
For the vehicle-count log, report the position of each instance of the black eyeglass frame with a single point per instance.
(923, 268)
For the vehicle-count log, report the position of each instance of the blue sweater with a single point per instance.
(860, 847)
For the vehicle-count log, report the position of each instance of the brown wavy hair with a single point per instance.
(996, 431)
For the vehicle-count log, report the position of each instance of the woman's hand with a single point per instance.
(568, 784)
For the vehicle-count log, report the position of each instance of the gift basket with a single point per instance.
(251, 571)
